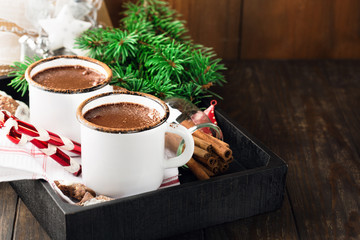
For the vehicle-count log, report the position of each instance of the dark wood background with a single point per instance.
(276, 29)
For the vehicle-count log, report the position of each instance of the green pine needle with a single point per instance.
(19, 82)
(120, 45)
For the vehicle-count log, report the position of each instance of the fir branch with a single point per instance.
(162, 19)
(19, 82)
(120, 45)
(162, 59)
(93, 40)
(152, 53)
(162, 87)
(169, 61)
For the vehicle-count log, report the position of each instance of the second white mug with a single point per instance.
(124, 161)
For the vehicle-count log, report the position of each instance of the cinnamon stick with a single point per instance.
(223, 166)
(218, 140)
(213, 168)
(203, 144)
(199, 152)
(205, 169)
(212, 145)
(197, 169)
(187, 123)
(212, 161)
(220, 148)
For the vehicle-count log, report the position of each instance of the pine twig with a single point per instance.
(19, 82)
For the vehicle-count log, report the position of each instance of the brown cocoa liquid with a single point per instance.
(125, 115)
(69, 77)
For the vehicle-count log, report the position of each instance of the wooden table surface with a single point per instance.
(307, 112)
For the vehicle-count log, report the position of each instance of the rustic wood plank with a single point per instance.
(213, 23)
(300, 29)
(331, 183)
(103, 16)
(26, 226)
(307, 112)
(285, 29)
(8, 202)
(346, 24)
(114, 9)
(279, 29)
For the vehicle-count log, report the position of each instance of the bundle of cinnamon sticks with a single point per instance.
(211, 155)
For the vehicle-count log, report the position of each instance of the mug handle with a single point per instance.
(189, 146)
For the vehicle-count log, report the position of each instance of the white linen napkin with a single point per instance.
(19, 162)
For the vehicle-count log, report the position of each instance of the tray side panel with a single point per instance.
(181, 209)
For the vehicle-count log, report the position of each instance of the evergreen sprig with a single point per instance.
(151, 52)
(19, 82)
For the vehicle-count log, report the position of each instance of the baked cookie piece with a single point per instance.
(81, 194)
(8, 104)
(95, 200)
(16, 108)
(74, 190)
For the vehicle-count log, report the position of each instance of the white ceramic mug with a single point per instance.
(55, 109)
(125, 162)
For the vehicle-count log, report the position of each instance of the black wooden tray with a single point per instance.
(254, 184)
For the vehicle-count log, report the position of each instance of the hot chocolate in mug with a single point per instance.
(123, 143)
(57, 85)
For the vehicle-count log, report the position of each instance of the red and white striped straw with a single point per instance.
(10, 129)
(47, 136)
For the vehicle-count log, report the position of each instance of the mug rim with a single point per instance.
(86, 123)
(31, 81)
